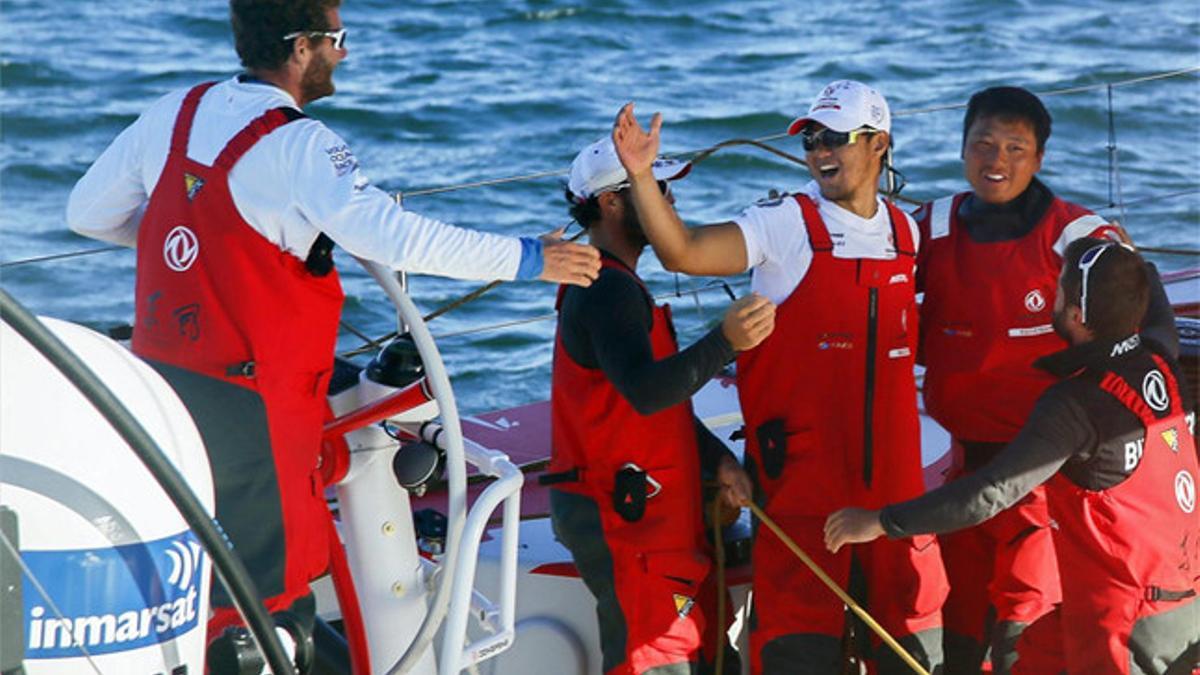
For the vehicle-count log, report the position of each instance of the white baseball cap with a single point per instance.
(846, 105)
(597, 169)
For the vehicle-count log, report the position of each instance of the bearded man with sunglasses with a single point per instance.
(988, 268)
(1113, 444)
(234, 200)
(627, 452)
(829, 398)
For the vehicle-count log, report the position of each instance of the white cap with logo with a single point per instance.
(597, 169)
(846, 105)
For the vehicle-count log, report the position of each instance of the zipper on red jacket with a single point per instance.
(869, 403)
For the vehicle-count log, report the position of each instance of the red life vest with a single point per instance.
(1133, 550)
(829, 398)
(215, 297)
(596, 431)
(986, 318)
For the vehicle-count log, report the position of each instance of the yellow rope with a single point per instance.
(845, 597)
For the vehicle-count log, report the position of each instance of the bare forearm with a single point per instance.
(667, 234)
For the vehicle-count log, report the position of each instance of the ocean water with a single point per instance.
(438, 93)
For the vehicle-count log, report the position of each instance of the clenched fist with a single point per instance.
(748, 321)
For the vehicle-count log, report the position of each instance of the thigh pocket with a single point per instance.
(668, 613)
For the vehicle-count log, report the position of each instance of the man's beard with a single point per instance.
(632, 225)
(1059, 321)
(317, 81)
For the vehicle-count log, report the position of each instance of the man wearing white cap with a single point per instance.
(829, 398)
(627, 452)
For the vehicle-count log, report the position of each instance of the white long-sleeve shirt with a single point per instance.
(296, 182)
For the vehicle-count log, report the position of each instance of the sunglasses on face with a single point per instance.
(337, 36)
(831, 139)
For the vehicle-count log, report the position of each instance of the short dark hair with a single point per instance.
(1118, 287)
(259, 27)
(1009, 104)
(586, 212)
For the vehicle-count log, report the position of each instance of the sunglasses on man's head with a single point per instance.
(1086, 262)
(338, 36)
(831, 139)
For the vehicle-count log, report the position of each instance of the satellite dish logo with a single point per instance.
(112, 599)
(185, 560)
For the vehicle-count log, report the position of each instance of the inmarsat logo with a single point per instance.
(1185, 491)
(180, 249)
(1154, 390)
(1035, 301)
(112, 599)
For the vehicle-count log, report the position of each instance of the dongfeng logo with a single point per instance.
(1154, 390)
(1185, 491)
(180, 249)
(1034, 301)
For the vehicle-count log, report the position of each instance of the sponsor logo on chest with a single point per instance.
(1035, 301)
(180, 249)
(1185, 491)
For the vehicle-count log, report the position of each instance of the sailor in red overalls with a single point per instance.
(988, 266)
(829, 398)
(627, 451)
(234, 199)
(1113, 443)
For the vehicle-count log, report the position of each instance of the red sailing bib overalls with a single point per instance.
(830, 407)
(216, 298)
(1133, 550)
(658, 563)
(985, 319)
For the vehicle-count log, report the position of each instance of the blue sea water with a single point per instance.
(437, 93)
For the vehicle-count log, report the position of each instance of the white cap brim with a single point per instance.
(670, 169)
(832, 119)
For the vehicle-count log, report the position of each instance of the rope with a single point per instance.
(719, 549)
(902, 113)
(712, 285)
(1114, 162)
(60, 256)
(843, 595)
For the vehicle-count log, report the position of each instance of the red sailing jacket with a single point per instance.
(829, 398)
(596, 430)
(217, 298)
(986, 318)
(1133, 549)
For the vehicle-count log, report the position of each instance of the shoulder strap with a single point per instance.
(1120, 390)
(187, 113)
(818, 234)
(939, 216)
(256, 129)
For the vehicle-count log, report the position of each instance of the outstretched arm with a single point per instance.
(1057, 429)
(712, 249)
(608, 327)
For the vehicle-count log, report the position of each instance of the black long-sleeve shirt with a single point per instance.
(607, 326)
(1075, 427)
